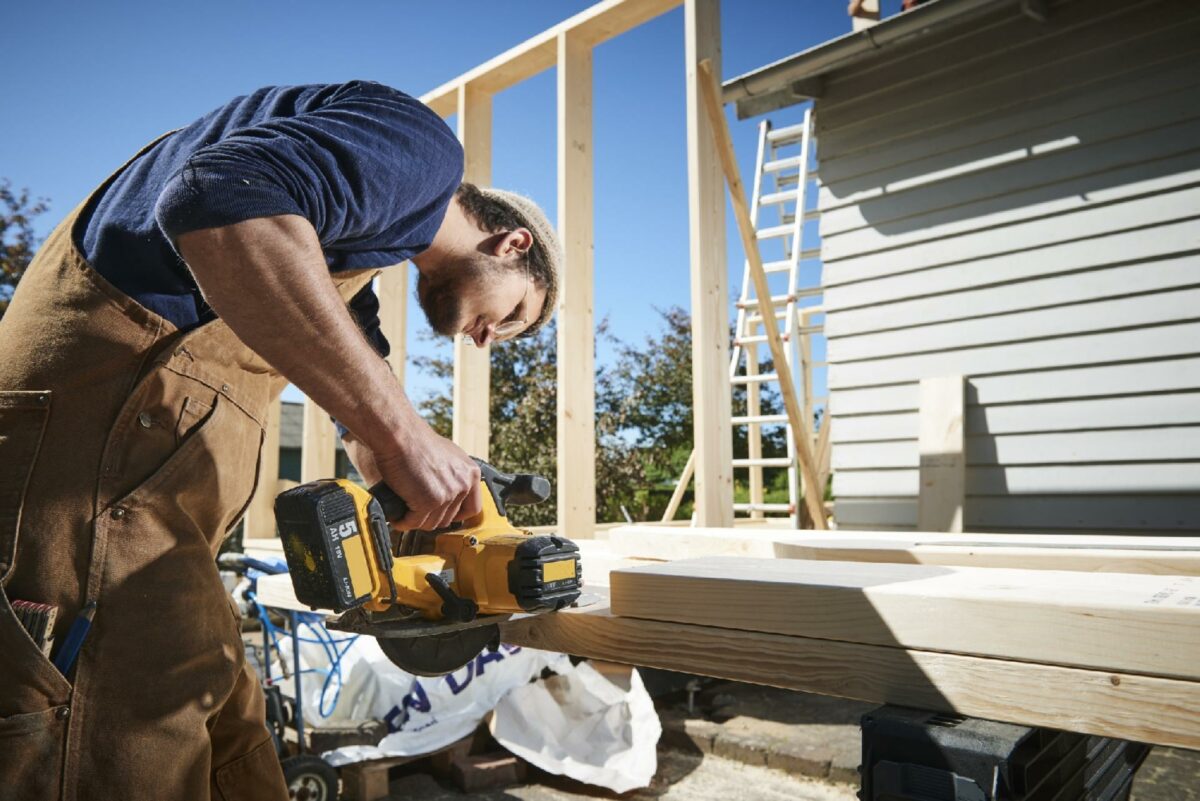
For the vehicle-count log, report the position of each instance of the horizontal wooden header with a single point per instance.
(591, 26)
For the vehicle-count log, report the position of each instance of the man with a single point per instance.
(137, 362)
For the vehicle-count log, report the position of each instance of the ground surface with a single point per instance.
(745, 743)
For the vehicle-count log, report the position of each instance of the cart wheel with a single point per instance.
(310, 778)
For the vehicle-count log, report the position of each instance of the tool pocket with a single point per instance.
(23, 418)
(31, 746)
(253, 776)
(31, 743)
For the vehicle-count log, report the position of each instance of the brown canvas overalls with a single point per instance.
(127, 451)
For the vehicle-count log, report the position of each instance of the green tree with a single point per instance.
(17, 240)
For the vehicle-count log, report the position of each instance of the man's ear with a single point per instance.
(514, 242)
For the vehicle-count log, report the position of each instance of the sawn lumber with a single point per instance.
(1122, 622)
(1143, 708)
(1172, 556)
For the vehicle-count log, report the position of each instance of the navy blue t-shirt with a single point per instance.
(371, 168)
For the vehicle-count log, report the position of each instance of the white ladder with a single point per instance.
(783, 179)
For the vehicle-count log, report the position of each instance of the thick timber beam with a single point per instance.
(576, 336)
(711, 400)
(472, 368)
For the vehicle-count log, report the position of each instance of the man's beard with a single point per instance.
(441, 300)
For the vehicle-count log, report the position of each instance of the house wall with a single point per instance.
(1020, 203)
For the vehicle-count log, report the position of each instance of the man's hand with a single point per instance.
(436, 496)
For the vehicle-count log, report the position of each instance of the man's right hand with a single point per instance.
(435, 478)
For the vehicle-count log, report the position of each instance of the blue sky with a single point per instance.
(89, 83)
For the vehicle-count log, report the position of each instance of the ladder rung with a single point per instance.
(779, 300)
(776, 300)
(812, 329)
(782, 164)
(776, 266)
(756, 318)
(764, 507)
(760, 378)
(811, 214)
(776, 230)
(792, 133)
(779, 197)
(817, 365)
(758, 419)
(756, 340)
(781, 462)
(791, 178)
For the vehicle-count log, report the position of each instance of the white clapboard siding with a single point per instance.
(1131, 344)
(1076, 512)
(1133, 380)
(1019, 203)
(1127, 248)
(1066, 447)
(1009, 70)
(1062, 320)
(1031, 480)
(1155, 126)
(1138, 411)
(1096, 91)
(1143, 203)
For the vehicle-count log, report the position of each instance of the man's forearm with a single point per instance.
(268, 280)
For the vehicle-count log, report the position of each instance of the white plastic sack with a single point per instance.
(422, 714)
(579, 724)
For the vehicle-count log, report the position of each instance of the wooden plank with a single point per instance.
(1137, 624)
(689, 470)
(1142, 708)
(799, 423)
(1059, 479)
(943, 460)
(1063, 447)
(1131, 200)
(1129, 379)
(1022, 295)
(260, 515)
(1172, 556)
(576, 338)
(1080, 318)
(591, 26)
(393, 315)
(1142, 343)
(318, 456)
(711, 398)
(472, 365)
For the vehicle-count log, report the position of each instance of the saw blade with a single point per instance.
(439, 654)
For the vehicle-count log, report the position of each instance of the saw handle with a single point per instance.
(518, 489)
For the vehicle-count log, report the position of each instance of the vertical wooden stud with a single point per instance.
(576, 337)
(393, 314)
(943, 459)
(754, 430)
(472, 368)
(260, 516)
(317, 454)
(710, 295)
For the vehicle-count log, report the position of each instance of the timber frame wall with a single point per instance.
(568, 47)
